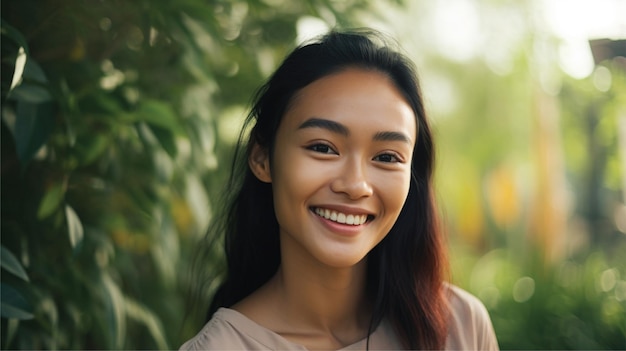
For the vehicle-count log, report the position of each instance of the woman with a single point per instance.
(331, 238)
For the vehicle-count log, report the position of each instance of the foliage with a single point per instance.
(536, 220)
(110, 156)
(575, 305)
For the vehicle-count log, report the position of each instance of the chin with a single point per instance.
(342, 260)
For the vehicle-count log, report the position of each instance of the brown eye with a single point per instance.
(387, 158)
(322, 148)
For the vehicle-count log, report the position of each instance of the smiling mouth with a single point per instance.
(342, 218)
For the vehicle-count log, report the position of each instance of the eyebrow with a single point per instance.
(339, 128)
(392, 136)
(325, 124)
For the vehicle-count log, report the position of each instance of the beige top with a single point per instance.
(470, 329)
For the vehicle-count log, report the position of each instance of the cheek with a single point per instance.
(394, 197)
(394, 191)
(293, 182)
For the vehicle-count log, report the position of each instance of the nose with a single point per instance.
(352, 180)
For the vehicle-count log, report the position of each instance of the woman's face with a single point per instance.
(342, 166)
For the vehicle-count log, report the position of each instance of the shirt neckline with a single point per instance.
(269, 338)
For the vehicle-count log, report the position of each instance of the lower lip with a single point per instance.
(338, 228)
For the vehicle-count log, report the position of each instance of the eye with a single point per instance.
(387, 158)
(322, 149)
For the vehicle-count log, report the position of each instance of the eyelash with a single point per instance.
(327, 150)
(316, 148)
(395, 158)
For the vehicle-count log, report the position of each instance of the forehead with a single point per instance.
(354, 96)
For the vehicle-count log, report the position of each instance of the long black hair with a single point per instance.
(405, 270)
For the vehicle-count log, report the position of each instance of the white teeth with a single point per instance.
(349, 219)
(341, 217)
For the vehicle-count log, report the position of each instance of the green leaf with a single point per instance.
(74, 226)
(91, 146)
(159, 114)
(34, 73)
(51, 201)
(31, 93)
(13, 304)
(34, 120)
(14, 34)
(30, 85)
(12, 327)
(34, 113)
(116, 321)
(12, 264)
(143, 315)
(103, 104)
(167, 140)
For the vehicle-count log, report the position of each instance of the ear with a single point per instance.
(259, 163)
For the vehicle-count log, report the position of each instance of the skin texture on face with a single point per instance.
(341, 167)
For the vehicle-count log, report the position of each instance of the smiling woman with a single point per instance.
(339, 164)
(331, 235)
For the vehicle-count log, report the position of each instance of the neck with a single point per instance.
(318, 297)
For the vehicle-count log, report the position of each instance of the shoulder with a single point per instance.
(470, 326)
(231, 330)
(465, 305)
(217, 333)
(226, 330)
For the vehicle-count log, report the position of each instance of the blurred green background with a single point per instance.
(119, 118)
